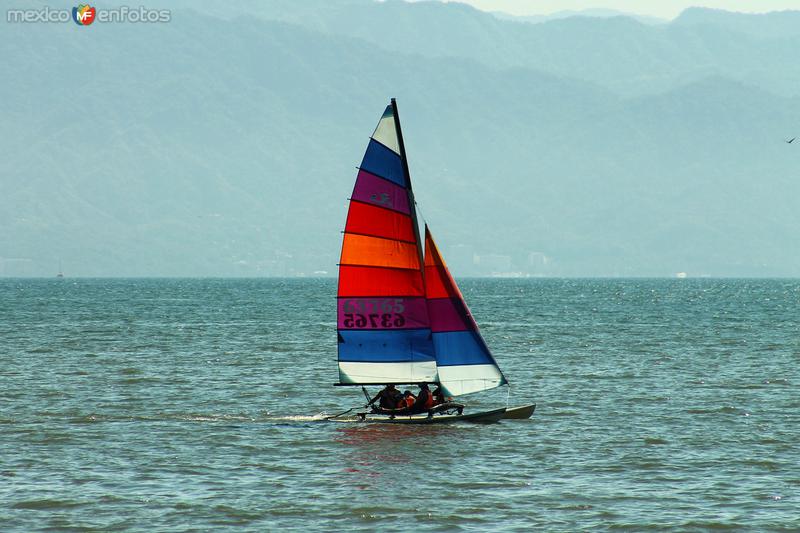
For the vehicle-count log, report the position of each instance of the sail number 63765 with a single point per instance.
(373, 320)
(374, 305)
(373, 313)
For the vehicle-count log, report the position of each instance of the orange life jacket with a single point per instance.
(409, 401)
(429, 401)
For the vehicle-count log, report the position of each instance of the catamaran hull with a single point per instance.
(519, 413)
(485, 417)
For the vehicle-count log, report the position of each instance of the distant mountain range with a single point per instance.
(568, 13)
(224, 143)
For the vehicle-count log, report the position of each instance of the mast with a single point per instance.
(412, 203)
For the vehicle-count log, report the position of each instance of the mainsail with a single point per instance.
(464, 361)
(384, 333)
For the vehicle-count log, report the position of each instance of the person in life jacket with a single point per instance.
(424, 399)
(423, 402)
(408, 401)
(443, 403)
(438, 395)
(389, 396)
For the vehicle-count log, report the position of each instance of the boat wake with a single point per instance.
(320, 417)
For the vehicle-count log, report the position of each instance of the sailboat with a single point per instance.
(401, 316)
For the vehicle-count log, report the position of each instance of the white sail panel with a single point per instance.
(386, 132)
(415, 372)
(466, 379)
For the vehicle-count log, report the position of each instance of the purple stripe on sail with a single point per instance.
(382, 313)
(374, 190)
(448, 314)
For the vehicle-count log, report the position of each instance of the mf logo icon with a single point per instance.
(84, 14)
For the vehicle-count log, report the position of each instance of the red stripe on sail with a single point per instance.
(371, 220)
(438, 283)
(367, 281)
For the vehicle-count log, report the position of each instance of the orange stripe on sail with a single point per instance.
(373, 251)
(438, 281)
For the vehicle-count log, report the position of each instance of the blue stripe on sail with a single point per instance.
(460, 348)
(386, 346)
(383, 162)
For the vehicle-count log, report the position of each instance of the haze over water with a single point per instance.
(196, 405)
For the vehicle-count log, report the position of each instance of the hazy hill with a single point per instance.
(617, 52)
(227, 146)
(567, 13)
(774, 25)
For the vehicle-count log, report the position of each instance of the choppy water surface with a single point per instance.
(196, 404)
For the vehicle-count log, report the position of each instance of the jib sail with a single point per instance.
(464, 361)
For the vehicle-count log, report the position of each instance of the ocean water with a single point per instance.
(196, 405)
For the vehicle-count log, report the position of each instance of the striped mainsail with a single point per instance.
(401, 319)
(384, 334)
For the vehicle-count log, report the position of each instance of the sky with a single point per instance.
(666, 9)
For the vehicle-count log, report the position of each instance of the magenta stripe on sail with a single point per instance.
(377, 191)
(448, 314)
(382, 313)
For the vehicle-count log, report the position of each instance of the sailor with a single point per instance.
(408, 401)
(424, 399)
(438, 395)
(389, 397)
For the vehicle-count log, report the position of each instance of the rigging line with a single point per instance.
(339, 414)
